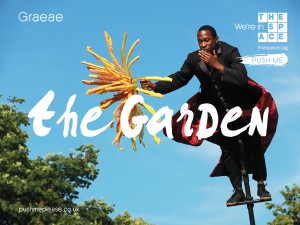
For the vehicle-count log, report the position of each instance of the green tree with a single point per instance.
(126, 219)
(43, 190)
(287, 213)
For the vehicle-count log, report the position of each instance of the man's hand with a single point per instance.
(147, 85)
(211, 60)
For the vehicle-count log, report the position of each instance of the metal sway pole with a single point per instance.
(245, 176)
(242, 153)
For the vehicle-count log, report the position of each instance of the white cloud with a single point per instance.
(288, 97)
(293, 81)
(287, 90)
(203, 152)
(206, 213)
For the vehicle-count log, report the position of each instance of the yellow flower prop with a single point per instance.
(113, 77)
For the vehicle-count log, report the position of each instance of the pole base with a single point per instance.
(250, 202)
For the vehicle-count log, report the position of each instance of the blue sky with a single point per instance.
(166, 184)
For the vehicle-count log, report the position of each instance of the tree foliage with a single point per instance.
(126, 219)
(43, 190)
(287, 213)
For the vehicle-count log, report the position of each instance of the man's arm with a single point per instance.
(212, 60)
(235, 73)
(179, 79)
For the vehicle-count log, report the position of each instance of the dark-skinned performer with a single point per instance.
(218, 63)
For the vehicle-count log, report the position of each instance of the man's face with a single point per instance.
(206, 41)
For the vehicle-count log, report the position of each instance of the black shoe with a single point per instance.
(263, 193)
(238, 196)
